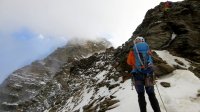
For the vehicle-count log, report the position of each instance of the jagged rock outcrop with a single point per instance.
(177, 32)
(25, 83)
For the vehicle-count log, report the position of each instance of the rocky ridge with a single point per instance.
(25, 83)
(67, 90)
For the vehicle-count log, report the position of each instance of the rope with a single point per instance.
(132, 82)
(138, 54)
(161, 98)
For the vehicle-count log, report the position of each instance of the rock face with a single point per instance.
(177, 32)
(25, 83)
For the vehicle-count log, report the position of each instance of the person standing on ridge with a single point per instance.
(140, 59)
(166, 8)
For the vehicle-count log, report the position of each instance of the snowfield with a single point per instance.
(181, 96)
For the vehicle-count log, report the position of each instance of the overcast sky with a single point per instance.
(31, 29)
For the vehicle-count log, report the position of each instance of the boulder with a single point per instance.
(165, 84)
(163, 69)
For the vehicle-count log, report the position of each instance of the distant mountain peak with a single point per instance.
(27, 81)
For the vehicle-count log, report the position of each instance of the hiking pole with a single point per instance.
(132, 82)
(160, 97)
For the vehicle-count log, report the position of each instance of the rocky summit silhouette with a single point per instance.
(177, 32)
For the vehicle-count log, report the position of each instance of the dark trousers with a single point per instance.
(145, 83)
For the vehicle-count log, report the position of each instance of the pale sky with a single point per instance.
(31, 29)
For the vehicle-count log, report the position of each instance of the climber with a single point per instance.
(140, 59)
(166, 8)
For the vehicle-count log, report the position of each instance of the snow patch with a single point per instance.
(101, 76)
(184, 87)
(170, 59)
(158, 22)
(87, 94)
(68, 106)
(103, 91)
(10, 104)
(173, 36)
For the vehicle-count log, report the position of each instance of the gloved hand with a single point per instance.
(149, 70)
(150, 65)
(134, 71)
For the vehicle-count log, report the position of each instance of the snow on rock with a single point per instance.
(98, 90)
(87, 94)
(173, 36)
(6, 103)
(101, 76)
(180, 97)
(68, 106)
(103, 91)
(170, 59)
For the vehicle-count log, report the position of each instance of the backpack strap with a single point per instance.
(142, 57)
(137, 52)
